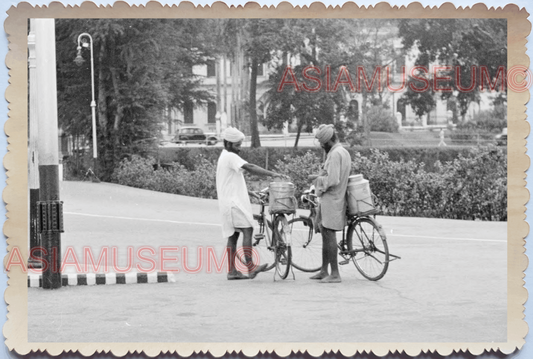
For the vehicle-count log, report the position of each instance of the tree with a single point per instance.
(141, 68)
(301, 93)
(251, 43)
(475, 49)
(262, 36)
(306, 108)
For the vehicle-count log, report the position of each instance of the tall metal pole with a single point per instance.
(79, 60)
(50, 213)
(33, 157)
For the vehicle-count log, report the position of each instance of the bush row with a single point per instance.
(473, 185)
(143, 173)
(268, 157)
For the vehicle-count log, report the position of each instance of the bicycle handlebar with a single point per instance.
(310, 196)
(262, 195)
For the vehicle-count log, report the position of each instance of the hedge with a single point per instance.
(468, 183)
(269, 156)
(143, 173)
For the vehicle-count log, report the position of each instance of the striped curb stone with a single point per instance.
(36, 281)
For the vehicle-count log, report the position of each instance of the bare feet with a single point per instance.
(236, 275)
(331, 279)
(258, 270)
(319, 276)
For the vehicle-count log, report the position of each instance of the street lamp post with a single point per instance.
(82, 42)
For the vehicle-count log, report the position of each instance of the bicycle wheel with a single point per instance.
(306, 245)
(282, 248)
(368, 248)
(262, 248)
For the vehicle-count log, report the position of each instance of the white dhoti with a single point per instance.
(233, 200)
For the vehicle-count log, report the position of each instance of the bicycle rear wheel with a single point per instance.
(282, 248)
(306, 246)
(368, 248)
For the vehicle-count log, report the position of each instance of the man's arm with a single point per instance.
(256, 170)
(330, 177)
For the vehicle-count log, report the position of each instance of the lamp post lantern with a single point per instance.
(82, 42)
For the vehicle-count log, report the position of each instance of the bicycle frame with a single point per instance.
(342, 244)
(262, 220)
(278, 246)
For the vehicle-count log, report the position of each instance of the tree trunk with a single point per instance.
(234, 91)
(299, 131)
(102, 104)
(285, 104)
(102, 131)
(120, 109)
(256, 142)
(366, 123)
(225, 86)
(218, 75)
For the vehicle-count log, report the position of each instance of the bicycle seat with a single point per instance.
(364, 214)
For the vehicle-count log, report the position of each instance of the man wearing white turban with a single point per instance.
(331, 185)
(234, 201)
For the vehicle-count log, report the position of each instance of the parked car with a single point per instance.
(501, 139)
(194, 135)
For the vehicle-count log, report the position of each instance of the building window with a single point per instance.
(188, 110)
(211, 112)
(211, 68)
(260, 71)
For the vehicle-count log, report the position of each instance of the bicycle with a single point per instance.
(272, 243)
(90, 174)
(363, 242)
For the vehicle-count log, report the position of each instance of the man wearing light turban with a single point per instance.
(331, 185)
(234, 201)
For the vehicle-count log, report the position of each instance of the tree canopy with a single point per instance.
(142, 66)
(474, 49)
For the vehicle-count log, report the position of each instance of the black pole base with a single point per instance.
(50, 225)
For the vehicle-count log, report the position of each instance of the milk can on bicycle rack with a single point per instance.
(359, 195)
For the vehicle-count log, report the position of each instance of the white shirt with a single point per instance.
(232, 192)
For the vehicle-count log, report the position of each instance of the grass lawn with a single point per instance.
(407, 138)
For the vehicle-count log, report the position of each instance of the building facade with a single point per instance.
(227, 80)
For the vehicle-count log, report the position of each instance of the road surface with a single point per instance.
(449, 286)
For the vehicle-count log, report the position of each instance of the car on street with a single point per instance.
(501, 138)
(191, 134)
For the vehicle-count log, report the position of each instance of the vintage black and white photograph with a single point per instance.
(269, 180)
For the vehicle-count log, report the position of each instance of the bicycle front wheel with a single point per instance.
(368, 248)
(282, 248)
(306, 245)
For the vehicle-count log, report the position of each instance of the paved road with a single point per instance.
(449, 286)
